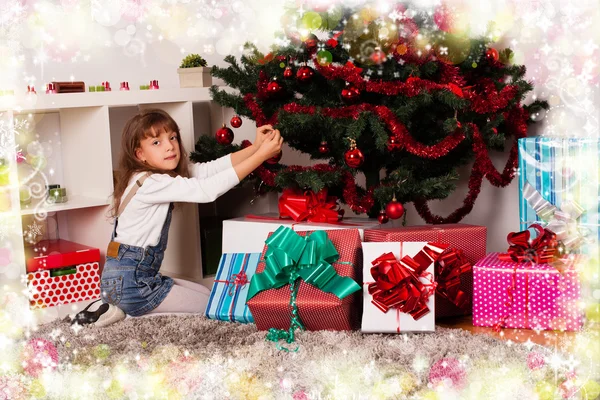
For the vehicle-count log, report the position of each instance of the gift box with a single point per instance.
(318, 308)
(248, 234)
(541, 297)
(558, 185)
(469, 239)
(227, 301)
(398, 286)
(62, 272)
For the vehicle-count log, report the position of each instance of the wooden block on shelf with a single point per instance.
(69, 87)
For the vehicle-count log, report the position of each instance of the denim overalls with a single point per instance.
(130, 279)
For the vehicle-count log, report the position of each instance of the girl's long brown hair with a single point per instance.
(145, 124)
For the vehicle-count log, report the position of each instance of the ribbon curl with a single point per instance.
(563, 221)
(290, 256)
(310, 206)
(448, 269)
(397, 284)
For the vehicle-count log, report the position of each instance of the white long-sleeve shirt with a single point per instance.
(141, 222)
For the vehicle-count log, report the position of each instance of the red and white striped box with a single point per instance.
(62, 272)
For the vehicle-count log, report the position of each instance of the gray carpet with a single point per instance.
(200, 358)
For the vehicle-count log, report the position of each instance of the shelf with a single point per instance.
(74, 202)
(52, 102)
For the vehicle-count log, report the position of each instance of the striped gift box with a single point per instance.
(227, 300)
(562, 169)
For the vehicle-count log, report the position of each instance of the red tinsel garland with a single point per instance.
(486, 99)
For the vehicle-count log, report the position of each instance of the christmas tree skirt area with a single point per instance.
(189, 356)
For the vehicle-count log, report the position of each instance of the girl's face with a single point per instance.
(160, 150)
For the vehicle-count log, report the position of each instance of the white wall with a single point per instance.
(559, 45)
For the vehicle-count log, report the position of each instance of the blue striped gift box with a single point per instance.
(227, 300)
(562, 169)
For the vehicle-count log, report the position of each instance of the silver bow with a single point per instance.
(563, 221)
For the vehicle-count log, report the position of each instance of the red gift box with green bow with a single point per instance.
(315, 270)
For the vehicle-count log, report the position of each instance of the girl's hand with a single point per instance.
(271, 146)
(261, 134)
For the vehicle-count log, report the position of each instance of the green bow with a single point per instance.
(290, 256)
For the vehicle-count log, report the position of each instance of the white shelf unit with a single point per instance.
(90, 127)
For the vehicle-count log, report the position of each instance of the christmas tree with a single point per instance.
(404, 97)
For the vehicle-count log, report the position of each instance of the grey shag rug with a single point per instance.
(183, 356)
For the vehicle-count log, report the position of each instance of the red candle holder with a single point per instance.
(124, 86)
(154, 85)
(50, 88)
(106, 86)
(31, 89)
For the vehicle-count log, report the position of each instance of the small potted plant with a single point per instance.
(193, 72)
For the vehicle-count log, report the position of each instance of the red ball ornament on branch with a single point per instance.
(350, 94)
(275, 159)
(305, 74)
(236, 121)
(378, 56)
(382, 217)
(311, 43)
(393, 143)
(492, 55)
(324, 147)
(224, 136)
(394, 209)
(274, 88)
(288, 72)
(354, 157)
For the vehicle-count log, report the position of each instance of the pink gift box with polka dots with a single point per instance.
(543, 298)
(62, 272)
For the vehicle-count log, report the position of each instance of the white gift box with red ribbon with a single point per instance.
(374, 319)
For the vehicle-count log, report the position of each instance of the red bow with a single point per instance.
(397, 283)
(448, 269)
(236, 281)
(540, 250)
(309, 206)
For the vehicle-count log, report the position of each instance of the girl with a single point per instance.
(154, 174)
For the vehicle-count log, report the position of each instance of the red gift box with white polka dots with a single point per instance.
(80, 268)
(542, 297)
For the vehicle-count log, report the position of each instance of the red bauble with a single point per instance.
(305, 74)
(275, 160)
(311, 43)
(274, 88)
(378, 56)
(288, 72)
(350, 94)
(393, 143)
(456, 90)
(394, 209)
(354, 157)
(224, 136)
(494, 131)
(383, 218)
(492, 55)
(324, 147)
(236, 121)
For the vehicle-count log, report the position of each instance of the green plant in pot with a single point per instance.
(193, 72)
